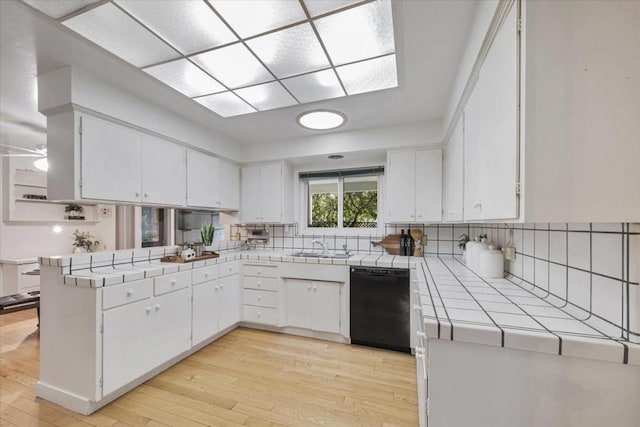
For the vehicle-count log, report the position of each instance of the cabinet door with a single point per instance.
(204, 311)
(400, 187)
(428, 185)
(251, 194)
(325, 307)
(126, 344)
(230, 301)
(163, 172)
(111, 161)
(491, 138)
(202, 180)
(271, 193)
(299, 303)
(171, 334)
(453, 175)
(229, 185)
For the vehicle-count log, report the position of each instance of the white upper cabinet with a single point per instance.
(454, 175)
(229, 185)
(413, 186)
(202, 180)
(267, 193)
(491, 132)
(123, 164)
(163, 172)
(111, 161)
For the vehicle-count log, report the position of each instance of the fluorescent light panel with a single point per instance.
(190, 26)
(185, 77)
(278, 48)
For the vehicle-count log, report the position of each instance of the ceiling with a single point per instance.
(430, 37)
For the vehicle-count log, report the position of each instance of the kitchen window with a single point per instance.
(342, 200)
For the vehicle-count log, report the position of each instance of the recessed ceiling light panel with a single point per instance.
(291, 51)
(110, 28)
(185, 77)
(368, 76)
(234, 66)
(266, 96)
(59, 9)
(315, 86)
(321, 119)
(226, 104)
(251, 17)
(359, 33)
(190, 26)
(318, 7)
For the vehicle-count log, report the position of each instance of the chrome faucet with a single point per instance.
(344, 248)
(323, 245)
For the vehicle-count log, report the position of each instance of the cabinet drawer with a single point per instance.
(261, 298)
(268, 316)
(172, 282)
(113, 296)
(201, 275)
(262, 283)
(229, 268)
(261, 270)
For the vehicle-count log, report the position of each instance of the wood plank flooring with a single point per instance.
(246, 378)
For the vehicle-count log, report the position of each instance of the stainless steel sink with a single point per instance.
(321, 255)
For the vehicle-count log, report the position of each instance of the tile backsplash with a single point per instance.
(592, 270)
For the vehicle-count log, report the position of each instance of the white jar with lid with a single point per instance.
(474, 248)
(491, 263)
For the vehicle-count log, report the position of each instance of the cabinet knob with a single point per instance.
(416, 307)
(259, 283)
(206, 274)
(419, 215)
(478, 205)
(261, 217)
(216, 288)
(230, 268)
(411, 216)
(259, 271)
(137, 194)
(259, 297)
(173, 283)
(148, 310)
(259, 314)
(221, 286)
(308, 287)
(315, 289)
(146, 194)
(129, 292)
(157, 307)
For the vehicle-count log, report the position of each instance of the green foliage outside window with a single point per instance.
(360, 210)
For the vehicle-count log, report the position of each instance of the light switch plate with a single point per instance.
(105, 212)
(425, 239)
(510, 253)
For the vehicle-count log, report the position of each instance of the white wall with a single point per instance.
(73, 85)
(31, 240)
(404, 136)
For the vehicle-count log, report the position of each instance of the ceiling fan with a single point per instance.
(40, 151)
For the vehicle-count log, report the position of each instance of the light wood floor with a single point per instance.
(248, 377)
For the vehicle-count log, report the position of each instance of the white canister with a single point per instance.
(492, 263)
(474, 249)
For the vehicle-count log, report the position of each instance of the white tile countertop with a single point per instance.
(109, 268)
(459, 305)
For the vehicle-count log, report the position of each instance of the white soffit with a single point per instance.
(242, 56)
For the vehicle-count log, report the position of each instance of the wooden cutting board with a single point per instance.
(391, 244)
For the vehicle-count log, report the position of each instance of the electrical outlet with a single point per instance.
(425, 239)
(105, 212)
(510, 253)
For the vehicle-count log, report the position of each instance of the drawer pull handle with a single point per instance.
(129, 292)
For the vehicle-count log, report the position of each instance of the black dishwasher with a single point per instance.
(380, 307)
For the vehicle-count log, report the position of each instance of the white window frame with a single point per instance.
(340, 230)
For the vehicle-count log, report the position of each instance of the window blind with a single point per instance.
(374, 170)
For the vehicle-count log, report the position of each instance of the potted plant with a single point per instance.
(73, 211)
(206, 233)
(84, 241)
(462, 243)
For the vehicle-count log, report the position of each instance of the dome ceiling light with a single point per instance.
(321, 119)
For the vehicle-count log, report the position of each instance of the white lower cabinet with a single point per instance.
(216, 303)
(313, 305)
(261, 299)
(134, 339)
(204, 315)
